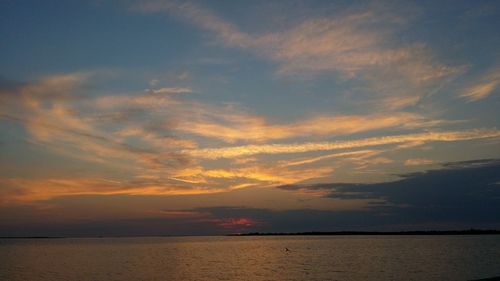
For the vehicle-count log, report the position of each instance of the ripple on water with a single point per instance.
(252, 258)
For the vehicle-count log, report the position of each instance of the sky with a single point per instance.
(213, 117)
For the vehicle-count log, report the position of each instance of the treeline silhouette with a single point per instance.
(424, 232)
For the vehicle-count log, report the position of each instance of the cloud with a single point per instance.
(346, 42)
(247, 150)
(354, 44)
(459, 191)
(170, 91)
(237, 219)
(26, 190)
(269, 174)
(360, 154)
(160, 222)
(459, 195)
(249, 174)
(350, 45)
(61, 86)
(180, 214)
(255, 128)
(131, 134)
(151, 139)
(61, 117)
(484, 88)
(199, 16)
(418, 162)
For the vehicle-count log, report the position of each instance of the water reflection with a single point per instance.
(253, 258)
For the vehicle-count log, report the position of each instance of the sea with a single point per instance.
(363, 257)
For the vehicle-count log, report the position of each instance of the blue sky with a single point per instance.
(182, 112)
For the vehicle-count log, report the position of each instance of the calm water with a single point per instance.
(252, 258)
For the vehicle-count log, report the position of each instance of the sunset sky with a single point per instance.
(210, 117)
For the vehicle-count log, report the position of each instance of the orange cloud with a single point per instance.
(180, 213)
(353, 44)
(253, 128)
(19, 189)
(237, 222)
(419, 161)
(62, 122)
(157, 162)
(359, 153)
(484, 88)
(239, 151)
(269, 174)
(232, 223)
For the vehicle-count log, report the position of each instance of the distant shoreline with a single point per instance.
(309, 233)
(334, 233)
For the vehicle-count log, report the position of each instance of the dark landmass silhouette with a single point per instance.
(426, 232)
(419, 232)
(32, 237)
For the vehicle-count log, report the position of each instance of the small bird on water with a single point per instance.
(287, 250)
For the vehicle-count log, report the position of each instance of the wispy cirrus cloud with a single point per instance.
(152, 138)
(120, 137)
(269, 174)
(227, 32)
(26, 190)
(255, 128)
(360, 154)
(483, 88)
(355, 44)
(60, 116)
(170, 90)
(419, 161)
(443, 136)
